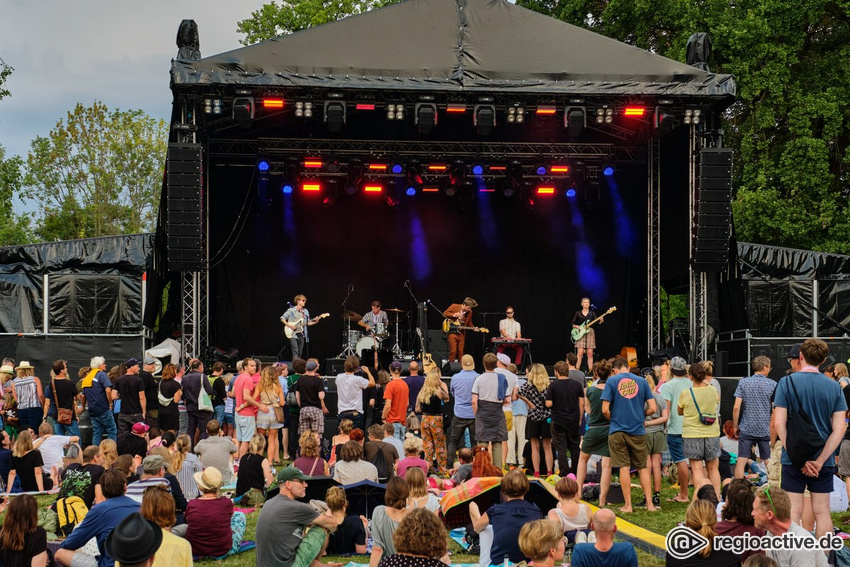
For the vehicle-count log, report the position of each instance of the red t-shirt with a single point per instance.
(209, 526)
(245, 382)
(396, 393)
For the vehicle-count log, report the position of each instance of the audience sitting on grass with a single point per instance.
(604, 551)
(350, 536)
(420, 541)
(737, 513)
(386, 519)
(185, 465)
(255, 474)
(542, 541)
(570, 513)
(83, 479)
(27, 464)
(482, 463)
(212, 527)
(464, 468)
(135, 443)
(217, 450)
(417, 488)
(52, 447)
(337, 441)
(352, 468)
(110, 452)
(772, 513)
(701, 518)
(124, 463)
(158, 507)
(174, 484)
(98, 523)
(413, 447)
(310, 462)
(22, 541)
(506, 520)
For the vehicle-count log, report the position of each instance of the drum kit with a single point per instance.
(358, 341)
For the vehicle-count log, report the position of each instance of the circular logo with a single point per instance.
(627, 388)
(683, 542)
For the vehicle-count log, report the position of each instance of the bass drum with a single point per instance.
(353, 337)
(366, 343)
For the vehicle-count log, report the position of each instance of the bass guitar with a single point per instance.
(450, 327)
(427, 361)
(582, 330)
(299, 324)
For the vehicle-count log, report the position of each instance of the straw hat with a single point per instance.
(25, 365)
(7, 369)
(208, 479)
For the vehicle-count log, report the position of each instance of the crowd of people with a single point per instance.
(166, 449)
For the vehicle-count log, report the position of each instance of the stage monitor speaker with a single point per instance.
(713, 227)
(721, 363)
(452, 368)
(184, 210)
(439, 346)
(333, 366)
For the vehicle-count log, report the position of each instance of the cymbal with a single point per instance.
(351, 315)
(394, 310)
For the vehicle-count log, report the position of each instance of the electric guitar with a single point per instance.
(577, 334)
(299, 324)
(450, 327)
(427, 361)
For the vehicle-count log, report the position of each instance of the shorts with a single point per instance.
(793, 480)
(509, 420)
(656, 443)
(246, 427)
(595, 442)
(266, 420)
(311, 418)
(844, 458)
(745, 446)
(701, 448)
(310, 547)
(228, 418)
(537, 430)
(627, 450)
(674, 445)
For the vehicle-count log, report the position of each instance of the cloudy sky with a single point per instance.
(115, 51)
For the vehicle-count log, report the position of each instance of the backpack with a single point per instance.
(70, 511)
(380, 462)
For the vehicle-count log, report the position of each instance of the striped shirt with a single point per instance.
(136, 490)
(186, 476)
(27, 392)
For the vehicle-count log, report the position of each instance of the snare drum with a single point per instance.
(353, 337)
(366, 343)
(381, 330)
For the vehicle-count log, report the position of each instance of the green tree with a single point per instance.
(5, 71)
(791, 121)
(15, 228)
(97, 173)
(273, 19)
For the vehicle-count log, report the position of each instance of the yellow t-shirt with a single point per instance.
(707, 399)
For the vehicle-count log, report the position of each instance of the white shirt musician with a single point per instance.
(510, 329)
(298, 319)
(374, 318)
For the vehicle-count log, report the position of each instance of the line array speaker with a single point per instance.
(184, 220)
(713, 226)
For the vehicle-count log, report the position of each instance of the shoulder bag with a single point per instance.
(63, 415)
(802, 440)
(703, 419)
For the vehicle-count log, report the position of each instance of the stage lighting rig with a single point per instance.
(335, 115)
(516, 113)
(303, 109)
(575, 119)
(243, 111)
(426, 117)
(484, 118)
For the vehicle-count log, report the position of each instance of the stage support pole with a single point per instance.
(697, 280)
(654, 326)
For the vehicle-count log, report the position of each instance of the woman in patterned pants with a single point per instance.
(430, 401)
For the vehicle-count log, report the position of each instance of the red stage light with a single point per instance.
(373, 188)
(365, 106)
(635, 111)
(486, 190)
(312, 187)
(312, 163)
(437, 167)
(272, 103)
(456, 107)
(546, 109)
(498, 167)
(378, 166)
(430, 189)
(559, 169)
(546, 190)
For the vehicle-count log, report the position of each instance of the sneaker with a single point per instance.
(536, 474)
(656, 499)
(581, 537)
(591, 537)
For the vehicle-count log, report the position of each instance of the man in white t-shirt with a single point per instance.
(349, 389)
(772, 513)
(509, 328)
(52, 446)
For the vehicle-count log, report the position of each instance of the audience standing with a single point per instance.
(429, 402)
(566, 399)
(463, 421)
(671, 391)
(489, 394)
(752, 420)
(538, 431)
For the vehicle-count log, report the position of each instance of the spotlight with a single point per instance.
(484, 118)
(604, 115)
(303, 109)
(516, 113)
(426, 117)
(334, 115)
(608, 170)
(457, 175)
(692, 116)
(286, 188)
(663, 120)
(243, 111)
(414, 177)
(263, 165)
(395, 111)
(212, 105)
(575, 119)
(477, 169)
(541, 170)
(397, 169)
(571, 192)
(411, 191)
(353, 177)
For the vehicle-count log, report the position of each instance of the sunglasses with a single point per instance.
(770, 499)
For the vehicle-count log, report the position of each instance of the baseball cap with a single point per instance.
(153, 464)
(150, 360)
(503, 358)
(290, 473)
(677, 366)
(312, 365)
(794, 351)
(132, 362)
(395, 365)
(467, 361)
(140, 428)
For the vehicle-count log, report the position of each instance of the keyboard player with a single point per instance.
(511, 330)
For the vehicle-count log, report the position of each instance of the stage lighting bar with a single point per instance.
(364, 105)
(456, 107)
(311, 187)
(634, 111)
(313, 163)
(378, 167)
(546, 109)
(373, 188)
(212, 105)
(430, 189)
(437, 167)
(486, 190)
(272, 103)
(546, 190)
(303, 109)
(498, 167)
(563, 169)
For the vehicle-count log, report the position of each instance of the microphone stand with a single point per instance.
(483, 336)
(422, 317)
(346, 346)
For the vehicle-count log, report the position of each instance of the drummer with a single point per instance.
(375, 318)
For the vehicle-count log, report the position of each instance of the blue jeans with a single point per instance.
(219, 414)
(103, 426)
(72, 429)
(399, 431)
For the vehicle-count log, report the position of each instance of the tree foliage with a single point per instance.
(15, 228)
(5, 71)
(273, 19)
(790, 124)
(97, 173)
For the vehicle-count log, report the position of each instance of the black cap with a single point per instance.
(134, 539)
(794, 351)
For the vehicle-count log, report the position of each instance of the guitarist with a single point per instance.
(587, 342)
(459, 314)
(298, 319)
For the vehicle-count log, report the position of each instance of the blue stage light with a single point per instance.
(287, 189)
(541, 170)
(263, 165)
(397, 168)
(571, 192)
(608, 171)
(477, 169)
(411, 191)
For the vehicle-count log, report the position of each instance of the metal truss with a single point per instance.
(654, 329)
(270, 147)
(697, 297)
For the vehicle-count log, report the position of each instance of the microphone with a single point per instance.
(592, 306)
(350, 287)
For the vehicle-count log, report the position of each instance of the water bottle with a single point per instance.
(506, 562)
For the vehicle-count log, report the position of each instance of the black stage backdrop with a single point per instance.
(540, 260)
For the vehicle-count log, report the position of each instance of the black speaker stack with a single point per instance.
(185, 208)
(713, 227)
